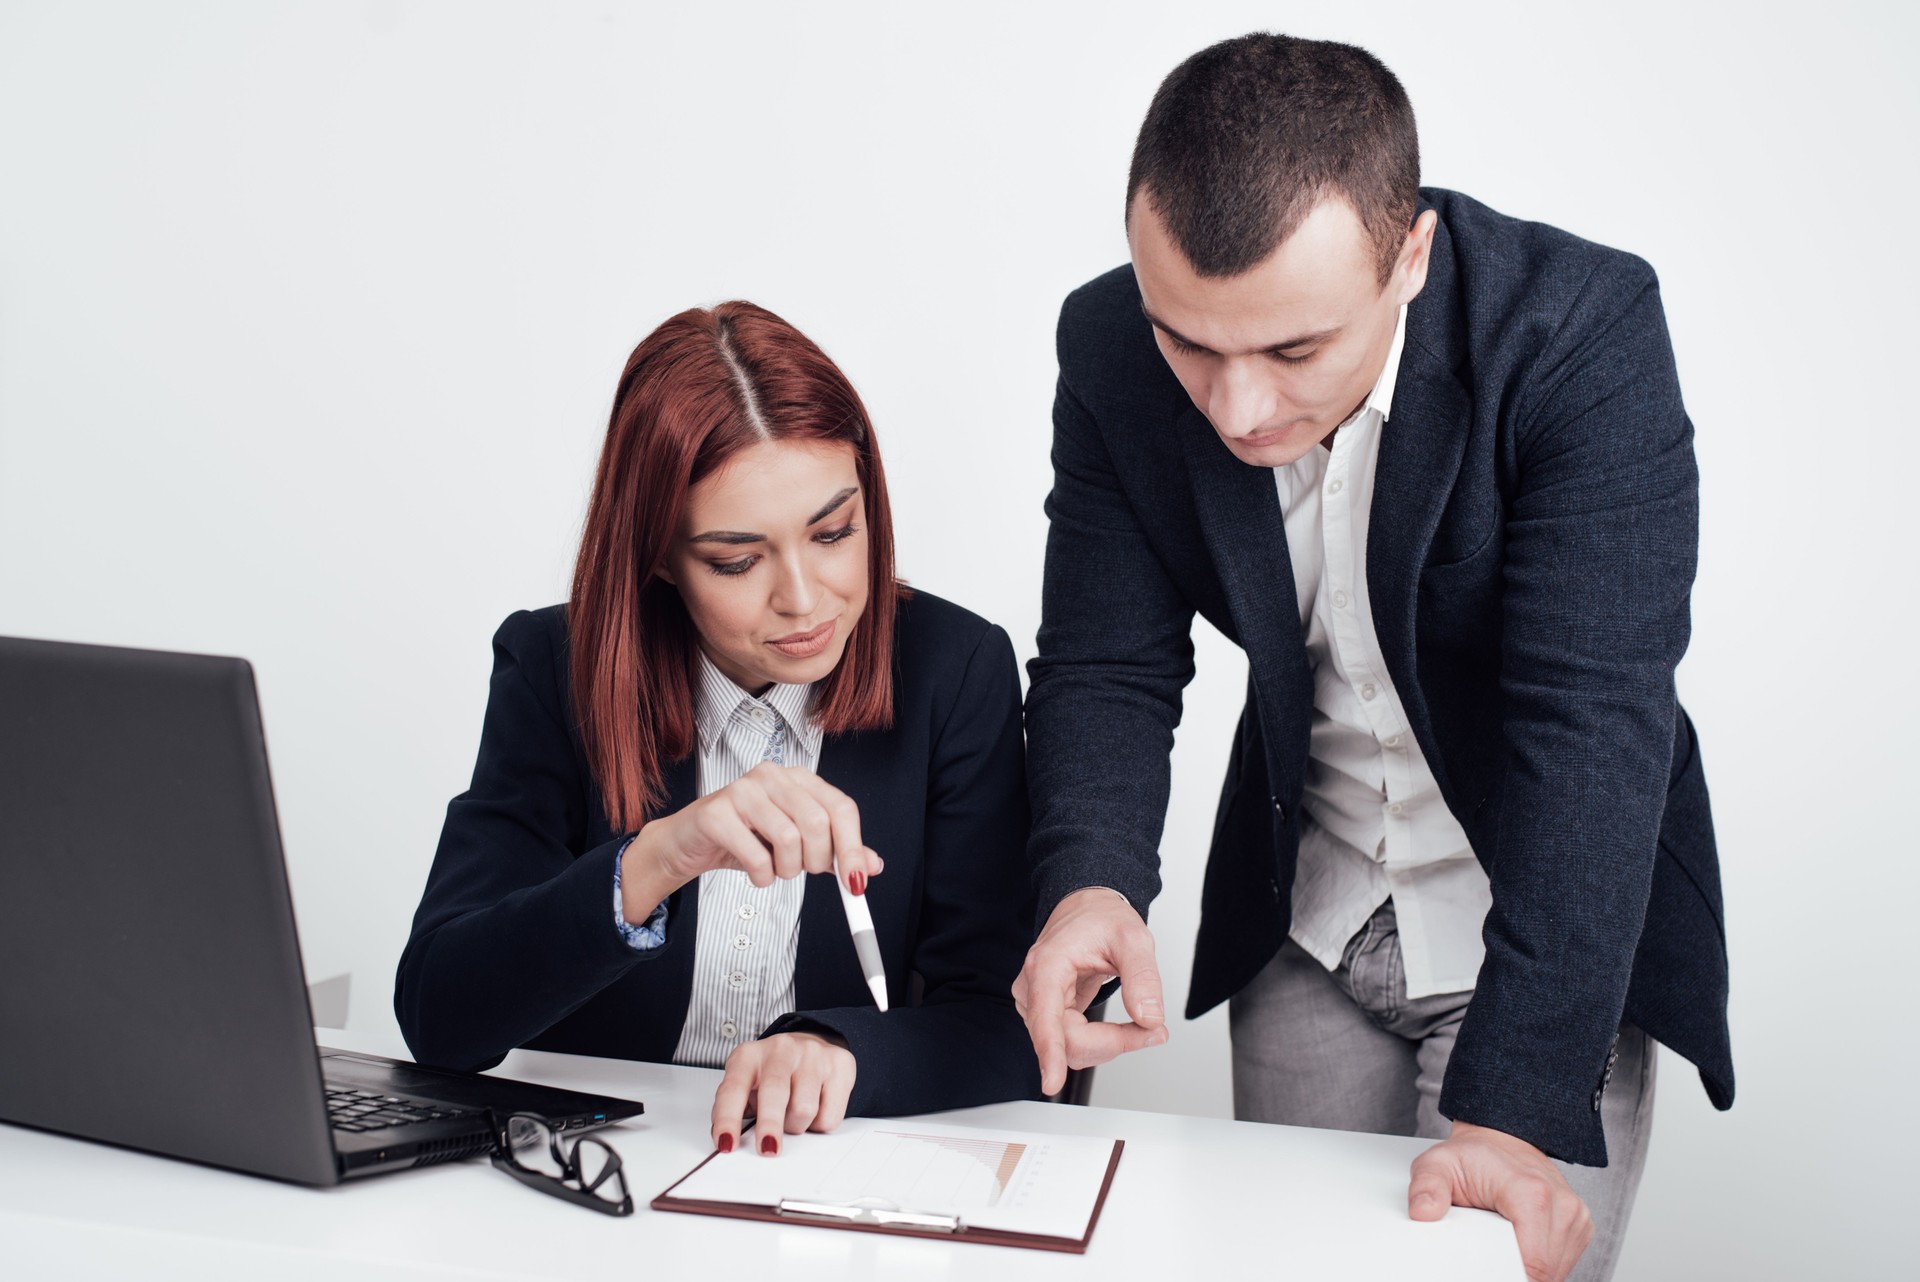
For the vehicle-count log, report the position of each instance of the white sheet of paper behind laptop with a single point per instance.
(1015, 1181)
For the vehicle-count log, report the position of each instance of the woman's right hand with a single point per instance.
(772, 822)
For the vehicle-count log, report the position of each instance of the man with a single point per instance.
(1429, 467)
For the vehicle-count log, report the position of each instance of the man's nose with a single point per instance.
(1239, 401)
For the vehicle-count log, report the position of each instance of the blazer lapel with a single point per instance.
(826, 969)
(1240, 520)
(670, 976)
(1421, 448)
(682, 781)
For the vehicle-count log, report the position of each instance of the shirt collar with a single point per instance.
(1381, 398)
(718, 698)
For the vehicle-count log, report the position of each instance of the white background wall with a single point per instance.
(310, 317)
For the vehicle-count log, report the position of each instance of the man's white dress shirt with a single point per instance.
(1375, 824)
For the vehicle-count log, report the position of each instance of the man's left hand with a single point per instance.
(1481, 1167)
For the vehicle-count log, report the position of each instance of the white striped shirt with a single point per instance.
(747, 937)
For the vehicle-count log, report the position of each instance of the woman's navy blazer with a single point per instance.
(514, 943)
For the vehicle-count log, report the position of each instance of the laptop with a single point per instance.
(151, 989)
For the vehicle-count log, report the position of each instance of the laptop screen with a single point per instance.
(151, 989)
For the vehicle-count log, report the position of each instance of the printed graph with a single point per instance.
(924, 1171)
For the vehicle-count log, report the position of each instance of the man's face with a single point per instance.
(1281, 355)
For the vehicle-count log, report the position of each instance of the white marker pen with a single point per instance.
(865, 944)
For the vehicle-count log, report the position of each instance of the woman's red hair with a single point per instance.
(702, 387)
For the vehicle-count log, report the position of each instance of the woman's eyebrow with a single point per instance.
(736, 537)
(833, 503)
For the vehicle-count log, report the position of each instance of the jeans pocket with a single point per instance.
(1370, 966)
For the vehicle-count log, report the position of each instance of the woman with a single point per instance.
(739, 693)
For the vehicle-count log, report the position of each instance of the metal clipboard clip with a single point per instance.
(875, 1211)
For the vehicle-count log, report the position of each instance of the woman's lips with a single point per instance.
(804, 645)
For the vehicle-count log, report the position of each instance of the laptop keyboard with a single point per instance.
(355, 1110)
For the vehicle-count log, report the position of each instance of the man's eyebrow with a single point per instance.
(1302, 340)
(737, 537)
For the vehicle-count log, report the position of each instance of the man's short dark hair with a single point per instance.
(1244, 138)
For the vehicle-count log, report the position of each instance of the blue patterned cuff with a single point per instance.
(650, 934)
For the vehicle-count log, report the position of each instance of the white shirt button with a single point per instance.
(740, 941)
(737, 980)
(1367, 691)
(729, 1029)
(748, 911)
(1393, 741)
(1395, 808)
(1340, 600)
(1335, 486)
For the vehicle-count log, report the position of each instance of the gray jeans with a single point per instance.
(1348, 1051)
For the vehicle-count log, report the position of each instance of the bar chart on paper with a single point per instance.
(924, 1170)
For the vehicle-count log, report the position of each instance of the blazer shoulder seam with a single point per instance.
(966, 676)
(537, 628)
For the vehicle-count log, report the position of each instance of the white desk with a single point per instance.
(1191, 1196)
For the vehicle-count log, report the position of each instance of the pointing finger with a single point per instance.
(1045, 1015)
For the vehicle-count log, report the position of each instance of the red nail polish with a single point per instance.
(769, 1144)
(726, 1142)
(857, 883)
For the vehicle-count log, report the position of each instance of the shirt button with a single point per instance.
(1367, 691)
(747, 911)
(1340, 600)
(1395, 808)
(1334, 487)
(1393, 741)
(740, 941)
(737, 980)
(729, 1029)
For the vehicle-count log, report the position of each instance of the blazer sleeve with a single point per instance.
(1115, 655)
(1601, 544)
(516, 927)
(964, 1044)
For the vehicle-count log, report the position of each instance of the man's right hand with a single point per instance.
(1092, 936)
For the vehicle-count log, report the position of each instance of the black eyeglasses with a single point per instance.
(583, 1171)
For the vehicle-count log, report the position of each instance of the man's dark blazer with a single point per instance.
(1531, 551)
(514, 943)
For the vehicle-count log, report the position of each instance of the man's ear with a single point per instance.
(1410, 272)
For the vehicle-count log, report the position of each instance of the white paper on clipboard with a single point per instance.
(1008, 1181)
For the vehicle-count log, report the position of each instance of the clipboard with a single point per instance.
(877, 1215)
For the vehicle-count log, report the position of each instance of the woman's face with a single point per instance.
(771, 560)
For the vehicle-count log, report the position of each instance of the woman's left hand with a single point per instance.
(790, 1082)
